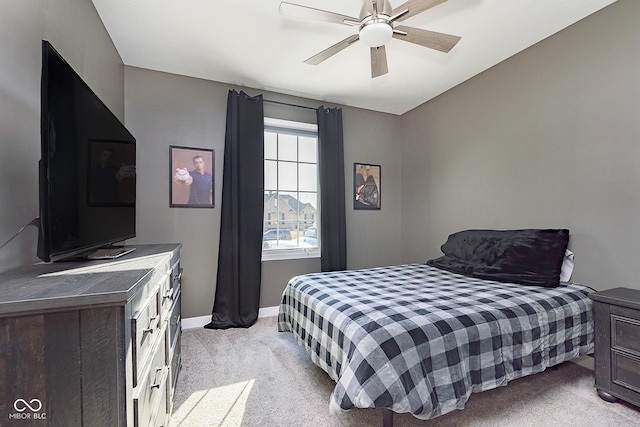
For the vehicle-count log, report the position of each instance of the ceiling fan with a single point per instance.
(376, 26)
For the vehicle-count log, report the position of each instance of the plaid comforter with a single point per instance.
(414, 338)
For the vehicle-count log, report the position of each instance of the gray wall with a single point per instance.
(165, 109)
(548, 138)
(75, 30)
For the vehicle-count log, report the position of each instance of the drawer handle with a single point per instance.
(156, 384)
(150, 328)
(168, 294)
(176, 278)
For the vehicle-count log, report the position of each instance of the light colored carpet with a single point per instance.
(258, 377)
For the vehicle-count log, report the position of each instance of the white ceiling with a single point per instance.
(248, 43)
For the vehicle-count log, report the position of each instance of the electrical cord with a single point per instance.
(35, 222)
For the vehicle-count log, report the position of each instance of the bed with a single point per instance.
(421, 338)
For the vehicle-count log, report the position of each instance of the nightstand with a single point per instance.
(617, 344)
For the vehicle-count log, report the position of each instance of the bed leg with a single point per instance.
(387, 417)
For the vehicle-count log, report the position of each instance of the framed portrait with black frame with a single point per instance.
(192, 177)
(366, 186)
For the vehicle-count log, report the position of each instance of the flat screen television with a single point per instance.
(87, 177)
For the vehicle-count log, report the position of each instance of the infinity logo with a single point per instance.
(21, 405)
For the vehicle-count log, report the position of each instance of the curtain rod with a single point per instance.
(288, 105)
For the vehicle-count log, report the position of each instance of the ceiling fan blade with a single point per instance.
(306, 12)
(415, 7)
(329, 52)
(431, 39)
(378, 61)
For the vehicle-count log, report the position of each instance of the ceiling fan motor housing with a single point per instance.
(375, 28)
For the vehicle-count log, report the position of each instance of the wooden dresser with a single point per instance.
(87, 343)
(617, 344)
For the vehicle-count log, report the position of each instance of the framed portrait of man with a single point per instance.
(191, 177)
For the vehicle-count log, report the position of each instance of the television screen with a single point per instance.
(87, 167)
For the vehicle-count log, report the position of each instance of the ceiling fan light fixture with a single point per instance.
(376, 34)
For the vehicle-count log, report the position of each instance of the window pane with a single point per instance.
(309, 197)
(308, 214)
(270, 175)
(308, 151)
(308, 220)
(287, 176)
(287, 147)
(290, 207)
(290, 193)
(308, 177)
(271, 145)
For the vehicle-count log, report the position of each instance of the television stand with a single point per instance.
(111, 252)
(92, 342)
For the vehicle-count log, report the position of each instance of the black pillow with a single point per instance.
(527, 257)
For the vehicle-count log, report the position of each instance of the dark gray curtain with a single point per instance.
(239, 260)
(332, 197)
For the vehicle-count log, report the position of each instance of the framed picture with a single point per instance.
(366, 186)
(191, 171)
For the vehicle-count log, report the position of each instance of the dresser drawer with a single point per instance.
(151, 390)
(176, 274)
(176, 362)
(171, 286)
(166, 296)
(174, 341)
(162, 408)
(174, 318)
(145, 328)
(176, 278)
(625, 334)
(626, 371)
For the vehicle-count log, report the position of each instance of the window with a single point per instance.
(290, 229)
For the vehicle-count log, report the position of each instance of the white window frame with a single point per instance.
(296, 128)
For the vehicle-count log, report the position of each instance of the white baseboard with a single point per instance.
(268, 311)
(200, 321)
(195, 322)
